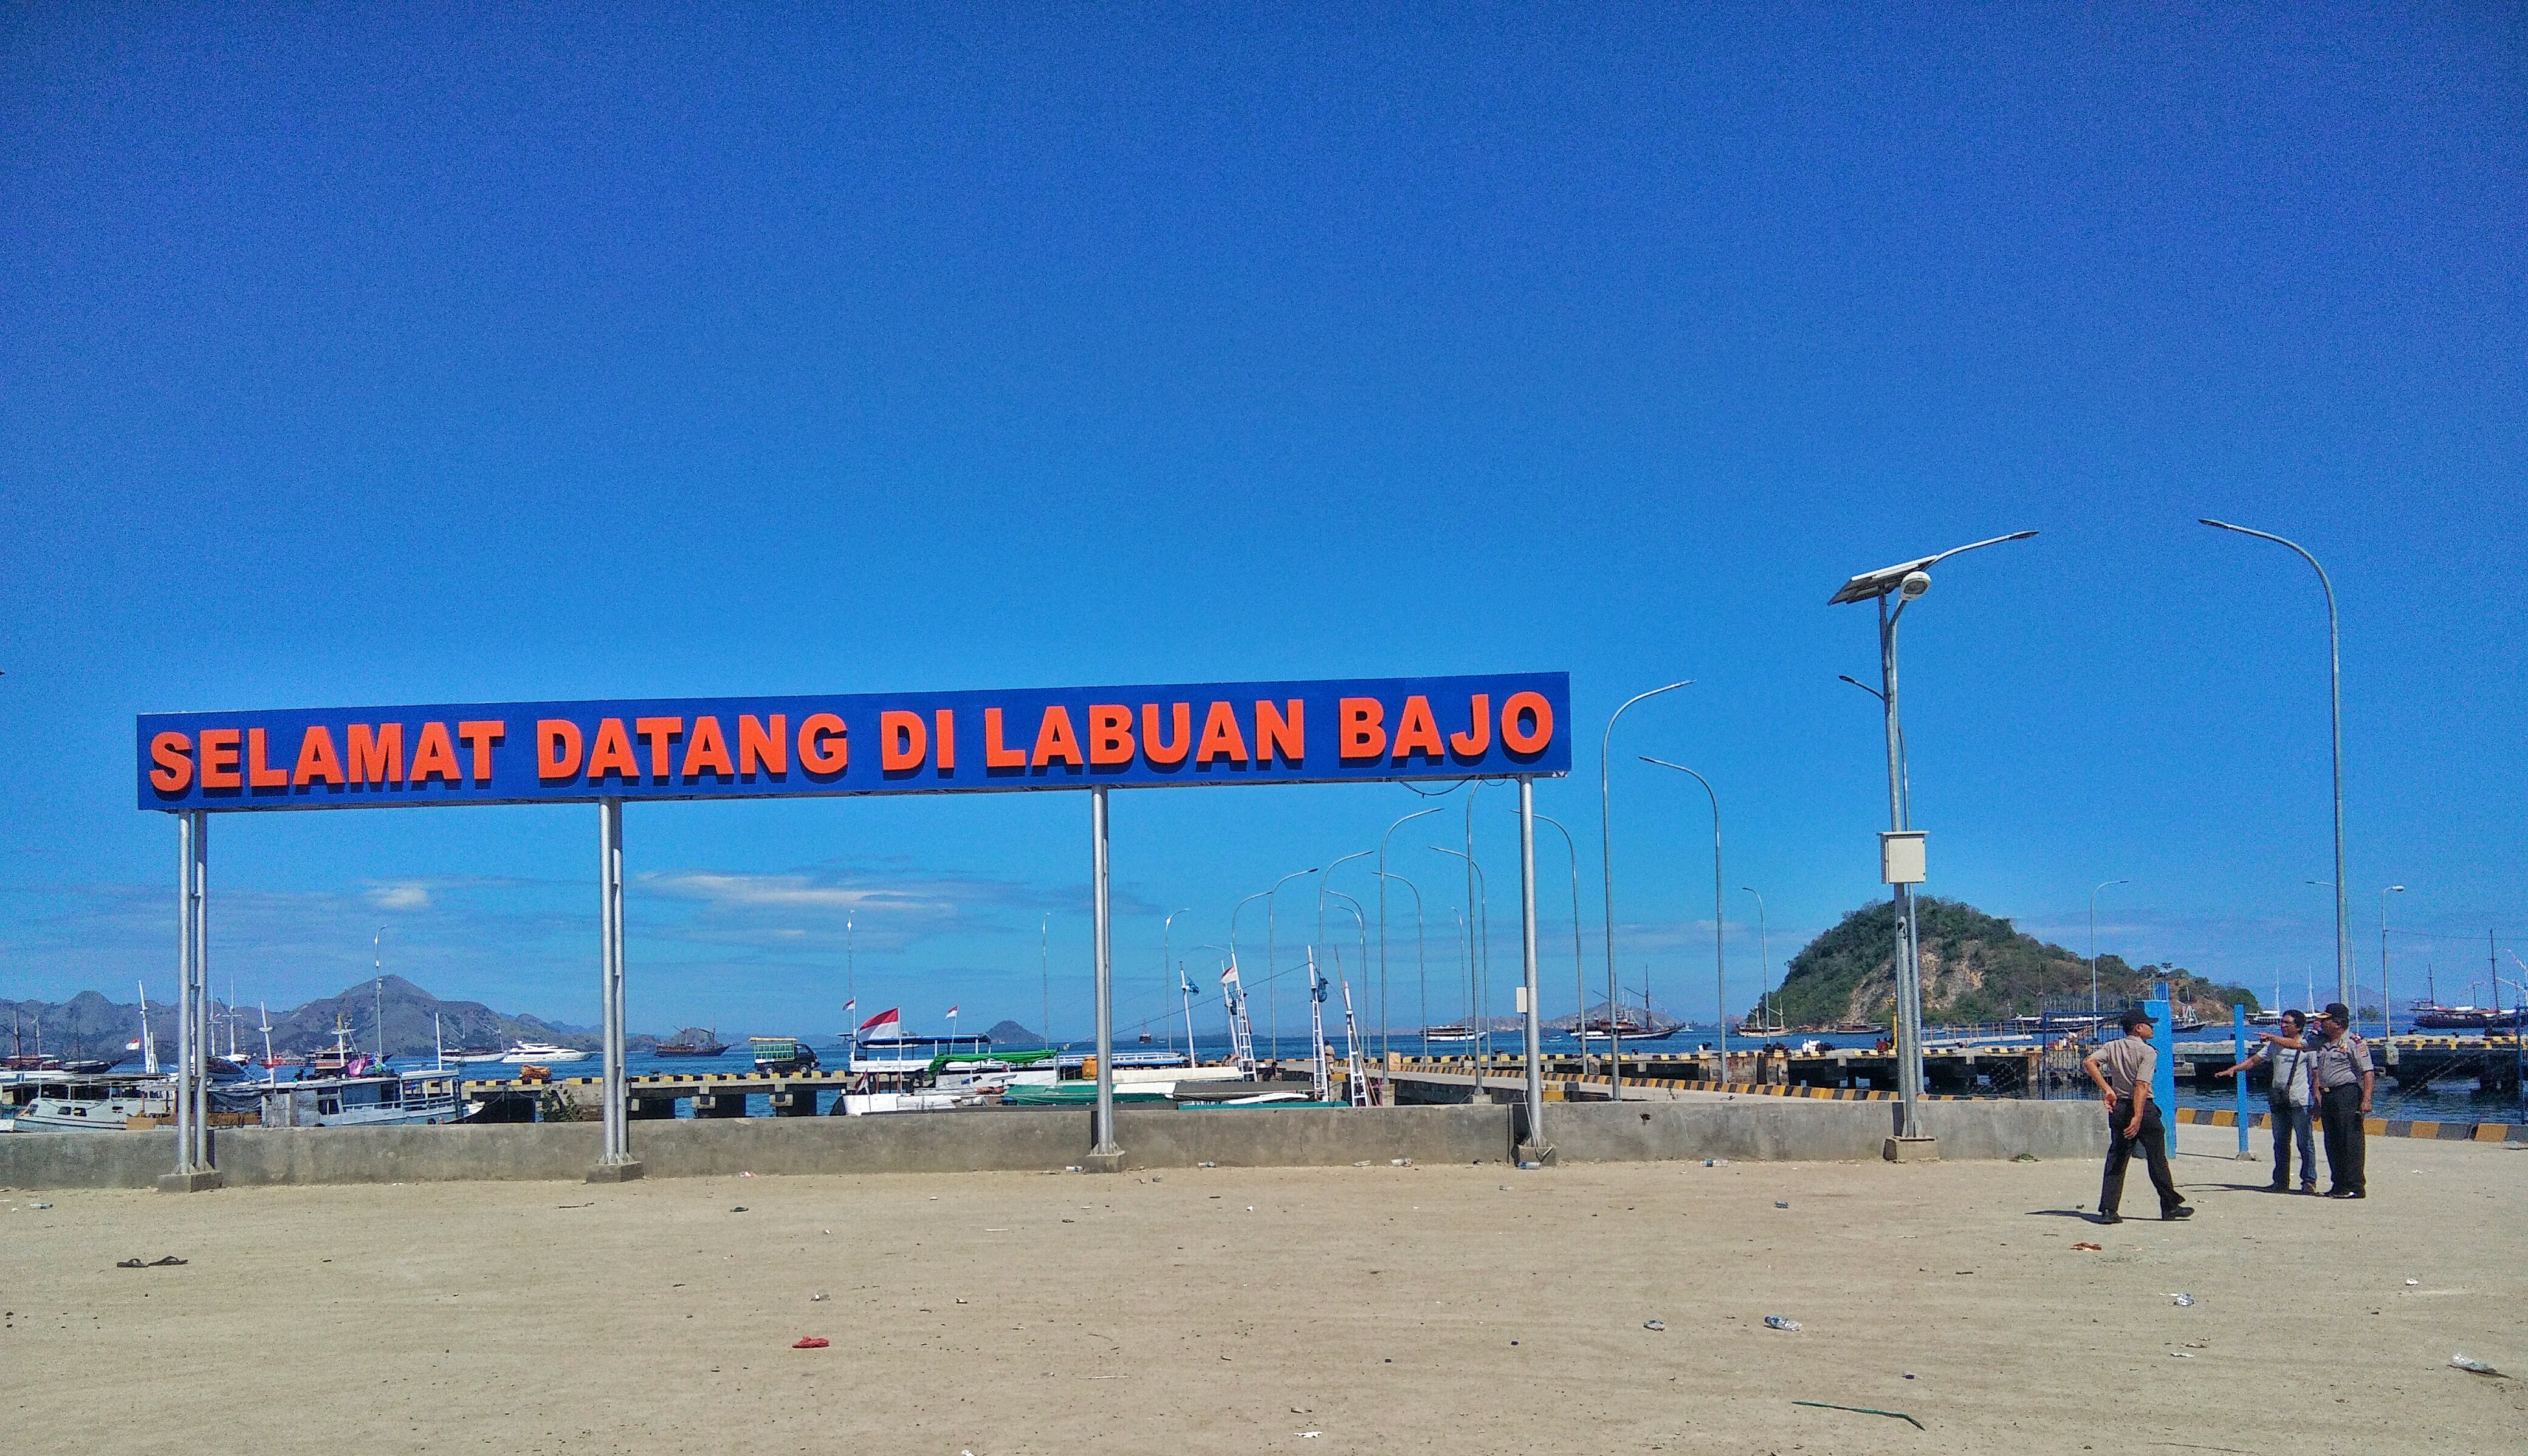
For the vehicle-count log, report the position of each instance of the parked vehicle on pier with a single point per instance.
(781, 1056)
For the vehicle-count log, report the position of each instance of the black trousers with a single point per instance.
(2152, 1143)
(2347, 1139)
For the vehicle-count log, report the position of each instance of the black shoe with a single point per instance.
(2279, 1185)
(2309, 1188)
(2108, 1218)
(2182, 1211)
(2347, 1193)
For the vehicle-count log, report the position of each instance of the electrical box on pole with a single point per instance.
(1901, 857)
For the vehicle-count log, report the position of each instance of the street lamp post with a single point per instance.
(1422, 968)
(1906, 581)
(2335, 668)
(1322, 876)
(1168, 965)
(1383, 877)
(1719, 978)
(2387, 1006)
(1480, 892)
(1272, 1006)
(1607, 869)
(2094, 952)
(1764, 966)
(1579, 987)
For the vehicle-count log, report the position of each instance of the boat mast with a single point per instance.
(148, 1048)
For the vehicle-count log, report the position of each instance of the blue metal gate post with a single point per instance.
(2163, 1079)
(2239, 1035)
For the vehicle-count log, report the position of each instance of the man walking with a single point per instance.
(2344, 1079)
(2290, 1097)
(2123, 1070)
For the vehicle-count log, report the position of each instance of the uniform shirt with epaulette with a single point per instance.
(2342, 1063)
(2128, 1064)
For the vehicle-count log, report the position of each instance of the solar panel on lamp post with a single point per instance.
(1906, 581)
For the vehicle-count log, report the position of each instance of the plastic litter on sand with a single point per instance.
(2184, 1301)
(1778, 1203)
(812, 1342)
(1864, 1411)
(1776, 1322)
(1654, 1325)
(2093, 1248)
(2475, 1367)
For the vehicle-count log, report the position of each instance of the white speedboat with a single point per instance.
(541, 1054)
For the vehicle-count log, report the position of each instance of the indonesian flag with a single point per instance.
(133, 1045)
(952, 1011)
(1228, 975)
(848, 1004)
(886, 1025)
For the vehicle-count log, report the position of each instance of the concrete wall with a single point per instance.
(1758, 1129)
(1030, 1139)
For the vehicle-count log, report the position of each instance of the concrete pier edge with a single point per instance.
(1031, 1141)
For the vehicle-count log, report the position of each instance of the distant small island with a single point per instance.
(1976, 968)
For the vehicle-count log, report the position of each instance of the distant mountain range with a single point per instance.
(90, 1025)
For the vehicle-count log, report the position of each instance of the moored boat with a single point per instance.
(542, 1054)
(361, 1098)
(693, 1041)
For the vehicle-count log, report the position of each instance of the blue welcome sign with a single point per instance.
(918, 742)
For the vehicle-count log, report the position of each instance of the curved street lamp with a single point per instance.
(2094, 952)
(2334, 670)
(1719, 979)
(1383, 878)
(1606, 868)
(1763, 969)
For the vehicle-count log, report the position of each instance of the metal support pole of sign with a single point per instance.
(193, 1170)
(198, 1065)
(616, 1164)
(1535, 1148)
(1103, 1154)
(183, 994)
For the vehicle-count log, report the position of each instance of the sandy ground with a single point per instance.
(1471, 1309)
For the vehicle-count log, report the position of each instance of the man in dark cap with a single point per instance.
(2344, 1078)
(2122, 1069)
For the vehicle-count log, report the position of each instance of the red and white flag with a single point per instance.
(1227, 974)
(952, 1011)
(848, 1004)
(886, 1025)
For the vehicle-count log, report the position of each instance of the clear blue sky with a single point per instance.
(476, 356)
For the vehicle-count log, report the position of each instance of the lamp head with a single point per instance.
(1916, 583)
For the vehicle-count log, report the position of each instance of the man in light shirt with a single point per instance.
(2122, 1069)
(2290, 1097)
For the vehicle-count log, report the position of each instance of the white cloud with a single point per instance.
(402, 897)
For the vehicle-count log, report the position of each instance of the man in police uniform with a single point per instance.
(2344, 1078)
(2123, 1070)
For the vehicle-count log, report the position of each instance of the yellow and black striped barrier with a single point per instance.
(2464, 1133)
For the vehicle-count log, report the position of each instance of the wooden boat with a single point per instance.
(693, 1041)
